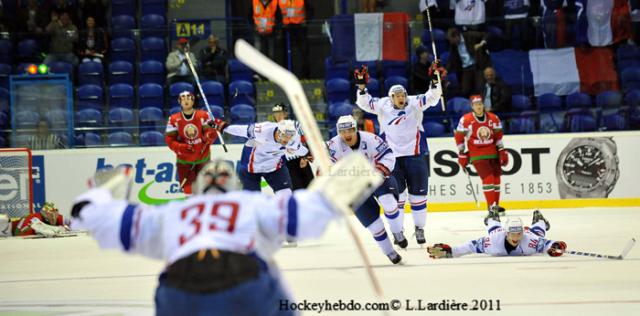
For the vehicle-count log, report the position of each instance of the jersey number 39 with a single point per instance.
(221, 217)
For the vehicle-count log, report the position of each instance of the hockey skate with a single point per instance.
(501, 210)
(494, 214)
(394, 257)
(419, 233)
(537, 216)
(400, 240)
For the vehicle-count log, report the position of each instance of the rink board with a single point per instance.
(532, 178)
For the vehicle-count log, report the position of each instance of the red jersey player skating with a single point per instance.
(479, 140)
(189, 134)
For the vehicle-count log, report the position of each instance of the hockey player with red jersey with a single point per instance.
(48, 222)
(189, 134)
(479, 140)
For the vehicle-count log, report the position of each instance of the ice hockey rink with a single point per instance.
(71, 276)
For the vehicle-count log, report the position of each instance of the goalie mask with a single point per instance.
(49, 212)
(218, 175)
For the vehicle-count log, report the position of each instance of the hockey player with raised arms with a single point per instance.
(263, 153)
(400, 117)
(511, 240)
(348, 140)
(218, 245)
(479, 139)
(189, 135)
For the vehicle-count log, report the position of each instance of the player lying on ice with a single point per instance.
(511, 240)
(218, 244)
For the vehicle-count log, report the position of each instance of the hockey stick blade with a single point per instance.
(624, 253)
(290, 84)
(627, 248)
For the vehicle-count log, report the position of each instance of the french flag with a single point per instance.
(370, 36)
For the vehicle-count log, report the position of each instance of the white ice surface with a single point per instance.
(71, 276)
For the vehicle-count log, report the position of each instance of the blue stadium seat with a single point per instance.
(394, 80)
(153, 25)
(90, 73)
(123, 49)
(338, 90)
(153, 48)
(152, 71)
(121, 72)
(336, 110)
(549, 102)
(122, 25)
(242, 92)
(120, 139)
(5, 72)
(214, 91)
(6, 51)
(459, 106)
(151, 118)
(434, 129)
(524, 123)
(444, 57)
(613, 120)
(578, 100)
(4, 120)
(89, 118)
(580, 120)
(372, 68)
(627, 56)
(88, 139)
(174, 110)
(151, 95)
(121, 96)
(496, 39)
(521, 103)
(152, 138)
(27, 119)
(121, 117)
(61, 67)
(174, 91)
(632, 98)
(90, 97)
(239, 71)
(609, 99)
(28, 50)
(217, 111)
(57, 118)
(394, 68)
(4, 100)
(374, 87)
(153, 7)
(123, 7)
(333, 70)
(440, 38)
(630, 78)
(242, 114)
(3, 142)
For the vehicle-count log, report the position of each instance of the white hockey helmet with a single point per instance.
(346, 122)
(218, 175)
(514, 225)
(287, 127)
(397, 89)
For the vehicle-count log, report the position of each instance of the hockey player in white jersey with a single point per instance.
(218, 244)
(264, 151)
(348, 140)
(511, 240)
(400, 118)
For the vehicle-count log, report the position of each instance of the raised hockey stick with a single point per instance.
(473, 191)
(624, 253)
(290, 84)
(435, 57)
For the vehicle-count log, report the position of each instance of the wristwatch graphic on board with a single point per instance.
(587, 168)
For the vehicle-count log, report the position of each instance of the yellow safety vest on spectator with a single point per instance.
(292, 11)
(264, 16)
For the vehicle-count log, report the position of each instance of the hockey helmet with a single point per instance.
(346, 122)
(216, 175)
(395, 89)
(514, 225)
(279, 107)
(287, 127)
(186, 93)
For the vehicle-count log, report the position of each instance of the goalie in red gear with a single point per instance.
(48, 215)
(479, 140)
(189, 134)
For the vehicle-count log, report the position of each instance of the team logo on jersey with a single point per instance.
(398, 119)
(191, 131)
(483, 133)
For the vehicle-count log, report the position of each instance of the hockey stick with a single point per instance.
(473, 191)
(290, 84)
(624, 253)
(435, 57)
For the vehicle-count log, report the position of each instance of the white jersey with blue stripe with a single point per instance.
(371, 146)
(266, 155)
(402, 127)
(240, 221)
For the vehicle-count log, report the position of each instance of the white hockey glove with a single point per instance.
(46, 230)
(351, 180)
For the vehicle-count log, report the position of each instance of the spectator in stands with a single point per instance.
(264, 18)
(440, 12)
(420, 77)
(294, 15)
(93, 42)
(496, 93)
(95, 9)
(177, 67)
(213, 60)
(468, 57)
(65, 6)
(44, 139)
(33, 18)
(368, 6)
(364, 124)
(470, 14)
(516, 14)
(63, 36)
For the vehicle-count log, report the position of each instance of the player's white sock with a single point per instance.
(394, 215)
(418, 209)
(287, 190)
(402, 198)
(380, 235)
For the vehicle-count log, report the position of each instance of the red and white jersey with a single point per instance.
(240, 221)
(494, 244)
(370, 145)
(193, 131)
(266, 154)
(401, 127)
(483, 137)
